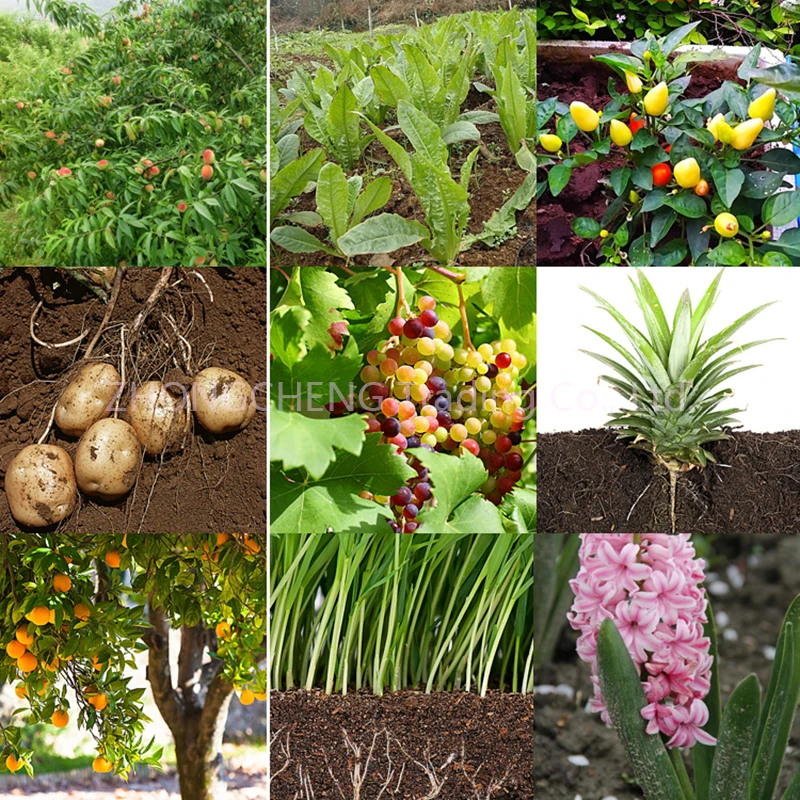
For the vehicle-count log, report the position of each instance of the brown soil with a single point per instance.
(755, 613)
(466, 743)
(587, 194)
(589, 482)
(492, 183)
(217, 484)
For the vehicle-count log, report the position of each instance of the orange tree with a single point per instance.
(76, 609)
(148, 147)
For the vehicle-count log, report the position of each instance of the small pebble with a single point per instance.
(578, 761)
(722, 619)
(719, 588)
(730, 635)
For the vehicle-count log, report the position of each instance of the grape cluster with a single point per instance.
(425, 393)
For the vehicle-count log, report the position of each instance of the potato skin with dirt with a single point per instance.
(159, 419)
(40, 485)
(86, 399)
(108, 459)
(223, 400)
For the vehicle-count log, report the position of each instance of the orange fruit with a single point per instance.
(102, 764)
(247, 698)
(60, 719)
(223, 630)
(82, 612)
(15, 649)
(52, 666)
(251, 544)
(40, 615)
(99, 701)
(222, 538)
(23, 635)
(261, 696)
(98, 665)
(52, 617)
(125, 540)
(27, 662)
(21, 691)
(61, 583)
(13, 764)
(112, 558)
(43, 691)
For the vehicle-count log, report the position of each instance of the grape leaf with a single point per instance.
(513, 290)
(454, 480)
(315, 374)
(317, 290)
(300, 441)
(521, 507)
(286, 330)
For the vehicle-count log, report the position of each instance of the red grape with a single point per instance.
(402, 498)
(503, 360)
(423, 491)
(410, 511)
(396, 326)
(429, 318)
(472, 446)
(502, 444)
(390, 426)
(412, 329)
(514, 462)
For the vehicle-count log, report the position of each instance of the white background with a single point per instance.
(569, 395)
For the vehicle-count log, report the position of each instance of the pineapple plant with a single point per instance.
(674, 378)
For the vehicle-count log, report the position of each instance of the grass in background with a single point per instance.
(432, 611)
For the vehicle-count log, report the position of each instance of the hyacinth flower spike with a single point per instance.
(647, 630)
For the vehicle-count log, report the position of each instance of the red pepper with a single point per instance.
(668, 148)
(635, 124)
(662, 174)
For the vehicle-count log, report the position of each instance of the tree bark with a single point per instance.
(195, 709)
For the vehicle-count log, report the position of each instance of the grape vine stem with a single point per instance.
(401, 298)
(456, 277)
(464, 321)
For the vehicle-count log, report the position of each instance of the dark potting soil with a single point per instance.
(755, 612)
(217, 484)
(468, 745)
(590, 482)
(588, 192)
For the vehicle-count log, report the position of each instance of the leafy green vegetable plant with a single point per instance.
(696, 186)
(341, 205)
(291, 177)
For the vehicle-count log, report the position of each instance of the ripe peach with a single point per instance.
(139, 170)
(208, 156)
(182, 207)
(199, 261)
(110, 196)
(50, 134)
(99, 142)
(60, 141)
(65, 70)
(20, 105)
(102, 164)
(116, 80)
(65, 171)
(149, 187)
(195, 56)
(154, 170)
(207, 171)
(147, 162)
(32, 175)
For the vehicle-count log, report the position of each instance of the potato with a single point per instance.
(40, 485)
(159, 419)
(87, 398)
(108, 458)
(223, 400)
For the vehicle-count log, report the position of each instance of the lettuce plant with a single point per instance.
(648, 632)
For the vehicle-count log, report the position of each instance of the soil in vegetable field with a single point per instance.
(470, 747)
(217, 484)
(495, 178)
(751, 585)
(588, 481)
(587, 193)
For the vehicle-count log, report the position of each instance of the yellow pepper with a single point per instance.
(745, 133)
(587, 119)
(726, 225)
(763, 107)
(550, 142)
(620, 133)
(657, 100)
(687, 173)
(633, 196)
(720, 129)
(634, 82)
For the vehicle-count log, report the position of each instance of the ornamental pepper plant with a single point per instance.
(697, 181)
(647, 630)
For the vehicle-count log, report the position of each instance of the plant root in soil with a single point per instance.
(590, 482)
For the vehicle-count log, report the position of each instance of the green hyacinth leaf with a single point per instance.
(622, 691)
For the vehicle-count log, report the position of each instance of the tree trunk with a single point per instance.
(195, 710)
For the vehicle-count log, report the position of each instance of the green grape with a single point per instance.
(405, 374)
(483, 384)
(430, 439)
(474, 358)
(458, 433)
(489, 437)
(486, 351)
(422, 424)
(473, 425)
(508, 346)
(420, 376)
(482, 369)
(503, 380)
(440, 435)
(426, 346)
(489, 405)
(460, 356)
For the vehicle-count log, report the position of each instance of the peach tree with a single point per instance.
(148, 146)
(76, 609)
